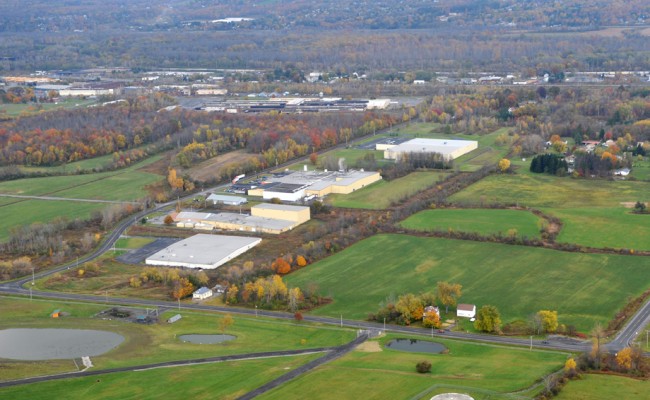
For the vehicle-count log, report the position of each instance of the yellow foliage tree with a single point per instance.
(504, 165)
(549, 320)
(301, 261)
(624, 358)
(570, 365)
(226, 322)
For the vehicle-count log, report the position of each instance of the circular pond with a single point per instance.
(206, 339)
(52, 344)
(416, 346)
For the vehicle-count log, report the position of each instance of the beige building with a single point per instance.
(296, 214)
(343, 183)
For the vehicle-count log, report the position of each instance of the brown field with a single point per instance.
(208, 169)
(616, 32)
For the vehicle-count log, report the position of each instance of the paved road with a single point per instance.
(333, 355)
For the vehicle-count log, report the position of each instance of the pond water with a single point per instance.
(416, 346)
(206, 339)
(53, 344)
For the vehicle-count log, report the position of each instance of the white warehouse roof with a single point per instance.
(203, 251)
(449, 148)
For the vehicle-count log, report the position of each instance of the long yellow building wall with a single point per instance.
(298, 216)
(345, 189)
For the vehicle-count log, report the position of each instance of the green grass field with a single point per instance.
(483, 221)
(146, 344)
(227, 380)
(594, 212)
(382, 194)
(15, 110)
(583, 288)
(604, 387)
(132, 242)
(123, 185)
(377, 372)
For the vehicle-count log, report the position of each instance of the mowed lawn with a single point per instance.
(376, 372)
(482, 221)
(225, 380)
(594, 212)
(382, 194)
(583, 288)
(605, 387)
(122, 185)
(145, 344)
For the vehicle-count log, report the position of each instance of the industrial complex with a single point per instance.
(203, 251)
(293, 186)
(264, 218)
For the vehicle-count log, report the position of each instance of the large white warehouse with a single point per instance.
(203, 251)
(450, 149)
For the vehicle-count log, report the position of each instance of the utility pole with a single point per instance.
(531, 342)
(341, 320)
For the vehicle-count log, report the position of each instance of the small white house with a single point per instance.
(202, 293)
(466, 310)
(431, 309)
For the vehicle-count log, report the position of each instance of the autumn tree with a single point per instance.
(231, 294)
(410, 307)
(168, 220)
(182, 288)
(295, 298)
(431, 320)
(423, 367)
(281, 266)
(597, 334)
(174, 181)
(570, 366)
(448, 293)
(504, 165)
(624, 358)
(226, 322)
(488, 319)
(301, 261)
(548, 320)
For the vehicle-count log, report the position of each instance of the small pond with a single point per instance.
(206, 339)
(416, 346)
(53, 344)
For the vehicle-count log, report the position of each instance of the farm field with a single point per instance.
(594, 212)
(382, 194)
(15, 110)
(216, 166)
(604, 387)
(122, 185)
(226, 380)
(145, 344)
(518, 280)
(373, 371)
(482, 221)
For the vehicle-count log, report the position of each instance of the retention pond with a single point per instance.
(53, 344)
(416, 346)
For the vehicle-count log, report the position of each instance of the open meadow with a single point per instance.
(158, 342)
(224, 380)
(374, 371)
(518, 280)
(595, 213)
(382, 194)
(604, 387)
(482, 221)
(122, 185)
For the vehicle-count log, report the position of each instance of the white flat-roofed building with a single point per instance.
(449, 149)
(203, 251)
(202, 293)
(237, 222)
(228, 200)
(466, 310)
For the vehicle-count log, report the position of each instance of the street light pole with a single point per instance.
(255, 310)
(531, 342)
(32, 276)
(341, 320)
